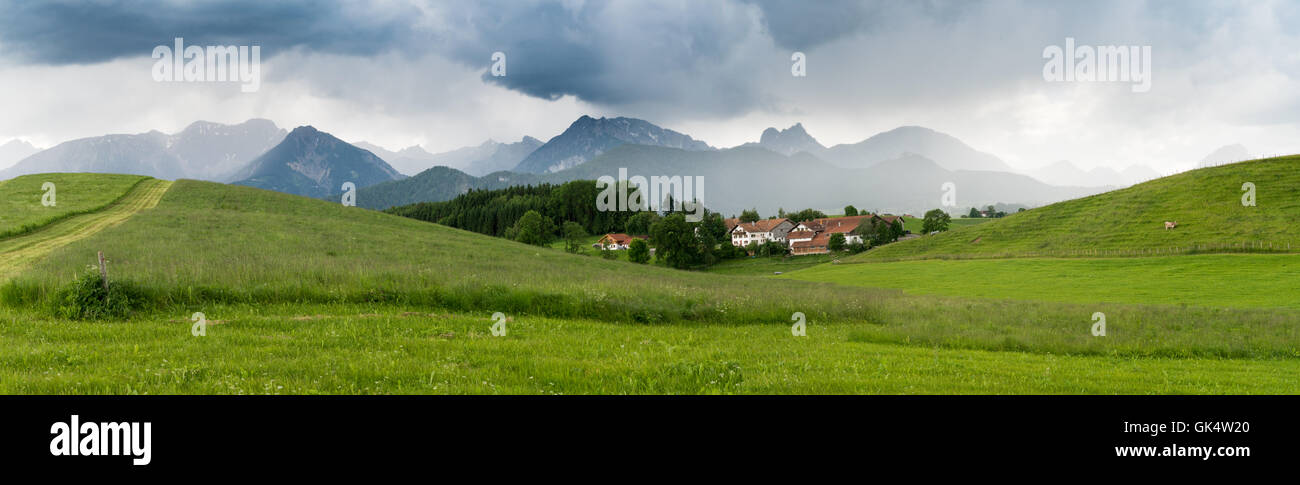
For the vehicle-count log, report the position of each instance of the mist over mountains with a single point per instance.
(14, 150)
(901, 170)
(203, 150)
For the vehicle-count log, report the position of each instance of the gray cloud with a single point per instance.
(80, 32)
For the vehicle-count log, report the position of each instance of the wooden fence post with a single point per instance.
(103, 271)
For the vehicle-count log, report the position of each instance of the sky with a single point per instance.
(401, 73)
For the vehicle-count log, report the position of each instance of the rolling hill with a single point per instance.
(308, 296)
(1206, 203)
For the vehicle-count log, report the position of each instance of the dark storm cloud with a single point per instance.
(81, 32)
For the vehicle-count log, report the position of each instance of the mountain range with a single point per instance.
(313, 163)
(203, 150)
(487, 157)
(900, 170)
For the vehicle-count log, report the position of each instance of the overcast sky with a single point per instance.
(400, 73)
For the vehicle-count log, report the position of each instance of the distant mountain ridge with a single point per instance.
(751, 176)
(313, 163)
(15, 150)
(588, 137)
(944, 149)
(1065, 173)
(203, 150)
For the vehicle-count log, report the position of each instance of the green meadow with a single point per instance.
(1220, 280)
(21, 210)
(1206, 203)
(381, 349)
(306, 296)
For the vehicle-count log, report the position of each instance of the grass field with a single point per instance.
(18, 252)
(1206, 203)
(21, 210)
(767, 266)
(1221, 280)
(309, 296)
(914, 224)
(367, 349)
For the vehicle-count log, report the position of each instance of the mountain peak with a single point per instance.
(315, 163)
(790, 141)
(588, 138)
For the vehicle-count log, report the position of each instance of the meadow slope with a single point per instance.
(1206, 203)
(309, 296)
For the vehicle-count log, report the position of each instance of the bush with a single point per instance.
(86, 299)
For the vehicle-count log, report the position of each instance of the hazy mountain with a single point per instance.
(315, 164)
(504, 156)
(1066, 173)
(1226, 154)
(947, 151)
(15, 150)
(1139, 173)
(750, 176)
(490, 156)
(203, 150)
(789, 141)
(409, 161)
(588, 137)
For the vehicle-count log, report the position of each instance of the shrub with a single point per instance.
(86, 299)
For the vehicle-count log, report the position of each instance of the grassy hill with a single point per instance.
(75, 193)
(309, 296)
(1206, 203)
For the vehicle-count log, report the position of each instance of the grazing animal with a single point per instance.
(1170, 225)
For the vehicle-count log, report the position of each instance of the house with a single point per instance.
(616, 241)
(814, 236)
(761, 231)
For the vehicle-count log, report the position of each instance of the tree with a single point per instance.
(849, 210)
(573, 235)
(935, 220)
(836, 243)
(857, 246)
(533, 229)
(640, 222)
(806, 215)
(974, 213)
(638, 251)
(772, 248)
(750, 215)
(675, 242)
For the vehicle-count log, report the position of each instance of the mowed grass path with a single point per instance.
(21, 210)
(357, 349)
(18, 252)
(1218, 280)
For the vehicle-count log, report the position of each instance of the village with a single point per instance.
(813, 236)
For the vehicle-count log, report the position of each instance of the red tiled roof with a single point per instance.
(765, 225)
(620, 238)
(801, 235)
